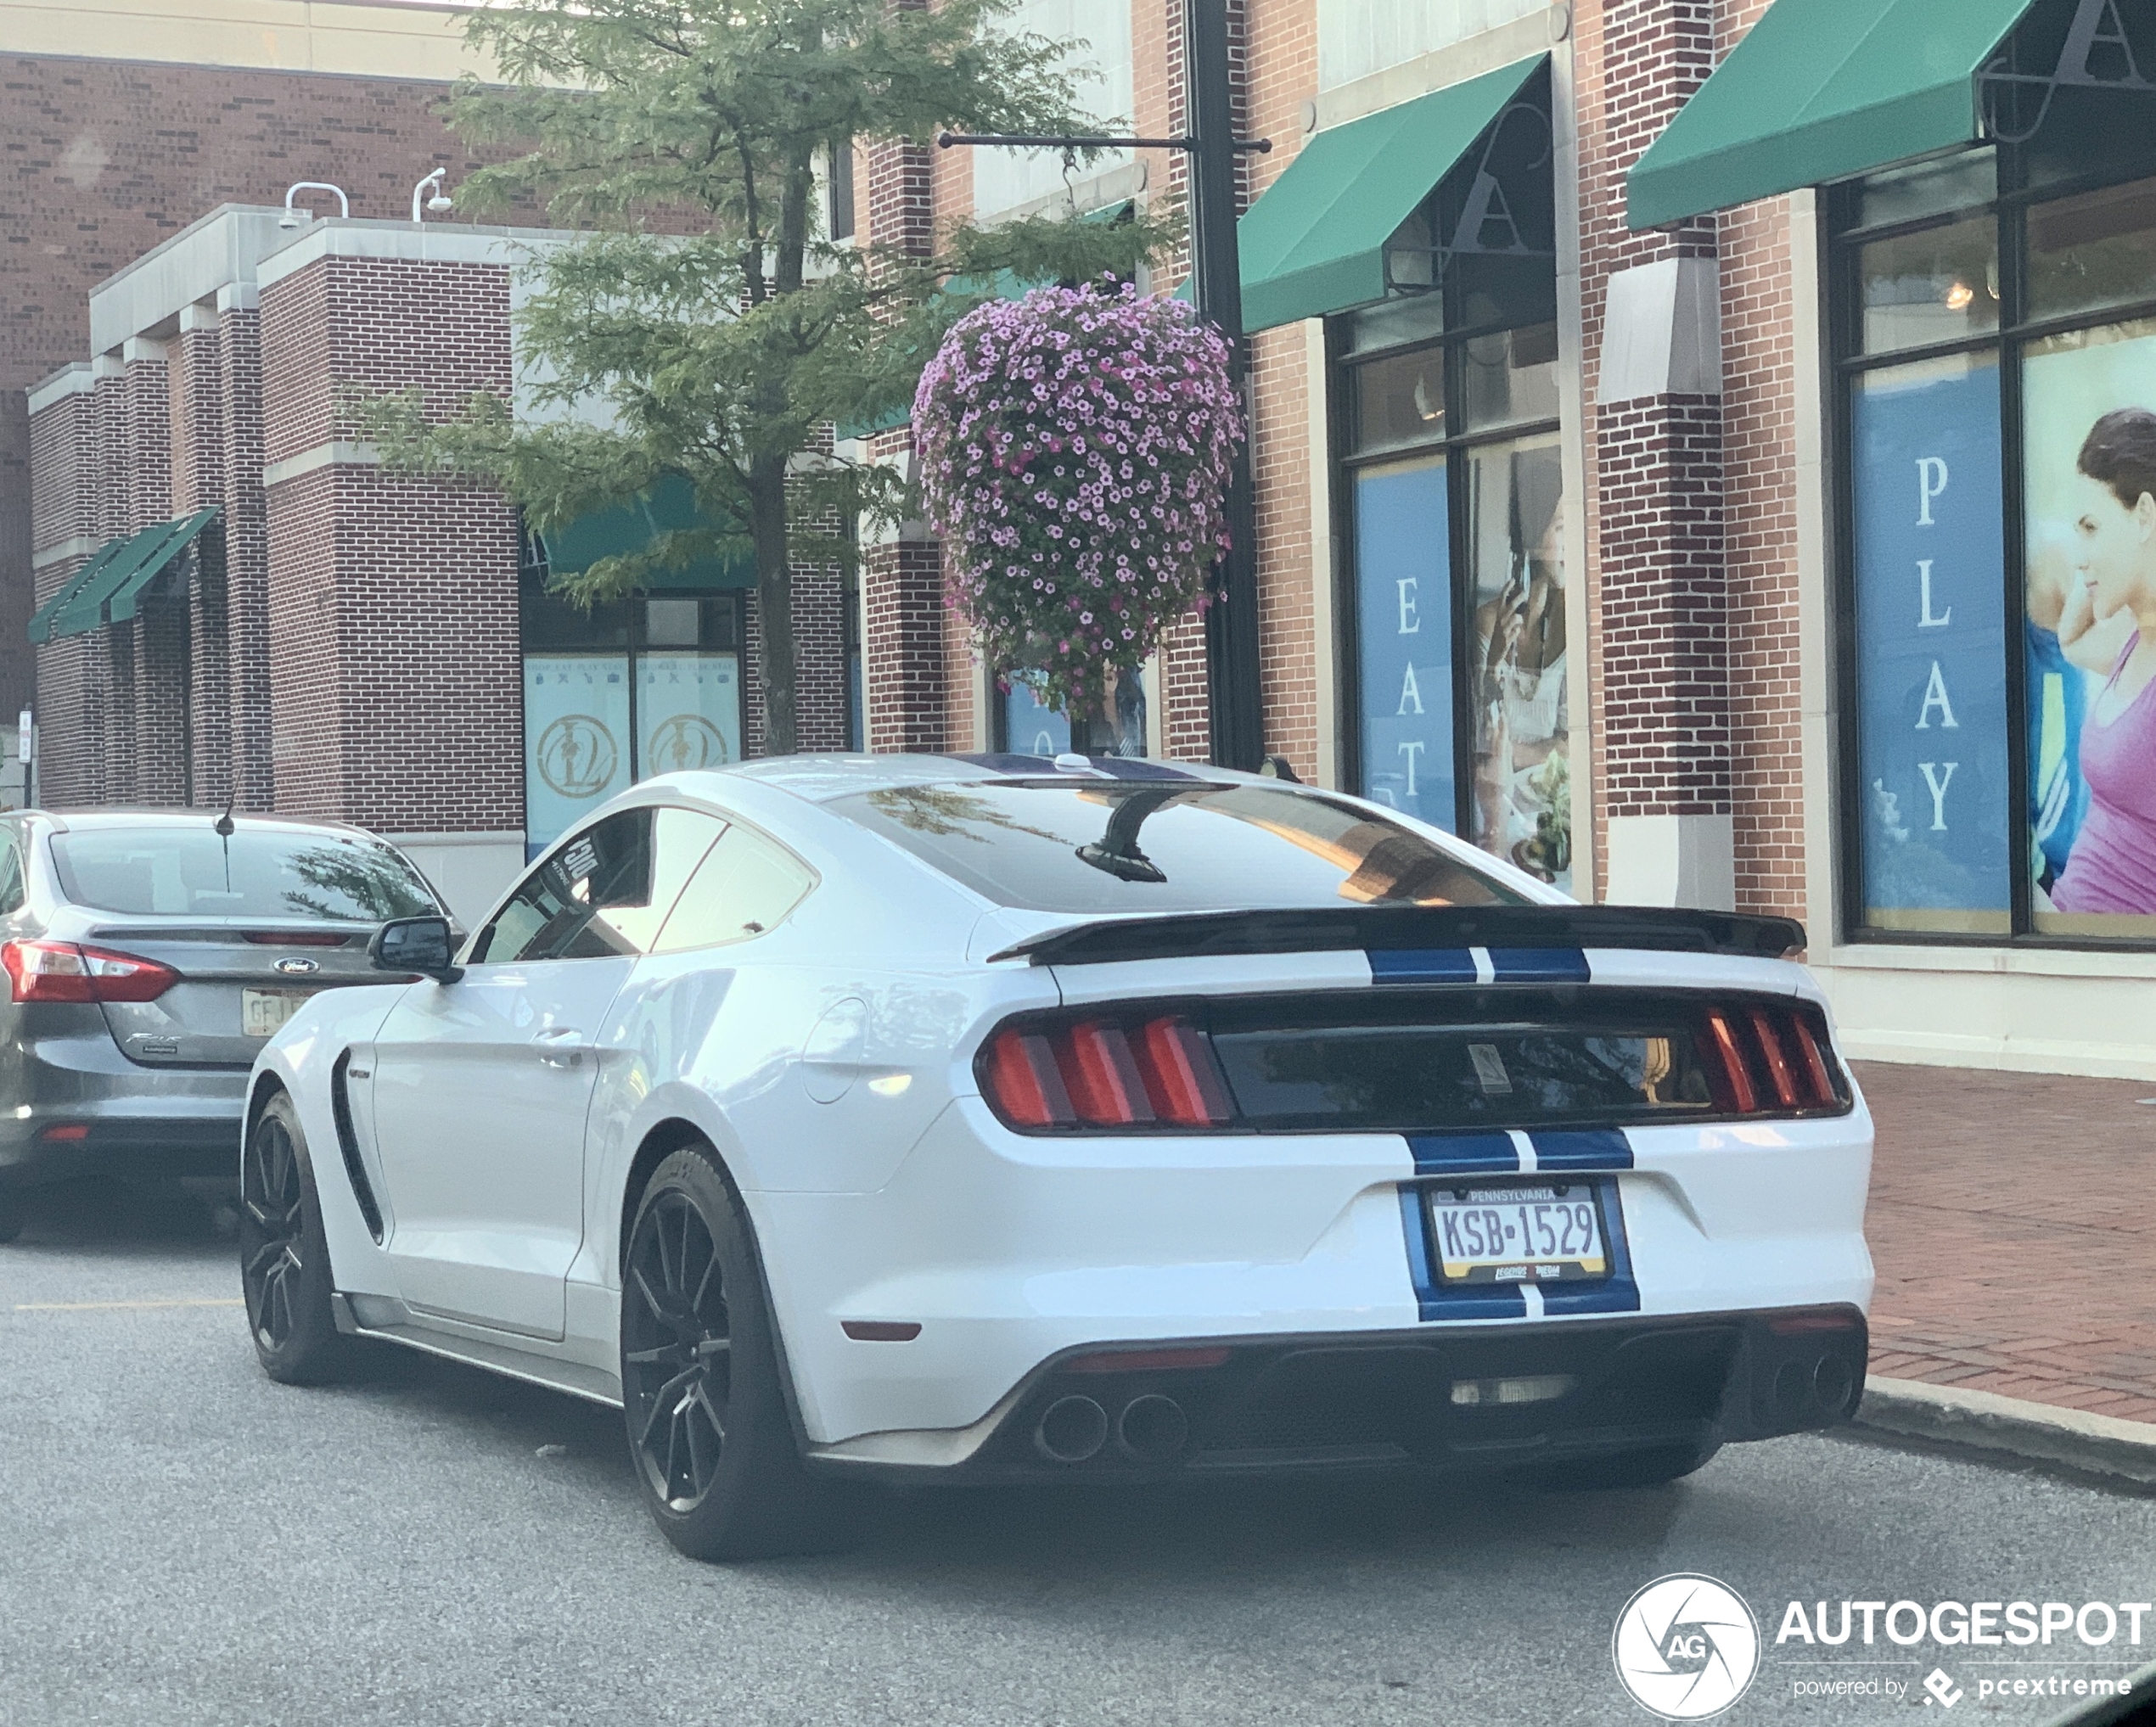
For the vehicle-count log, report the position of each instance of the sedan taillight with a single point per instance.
(67, 971)
(1095, 1071)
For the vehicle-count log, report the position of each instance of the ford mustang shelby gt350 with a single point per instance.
(1009, 1117)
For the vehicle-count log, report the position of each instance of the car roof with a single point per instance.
(818, 779)
(112, 817)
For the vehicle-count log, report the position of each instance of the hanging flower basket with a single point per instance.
(1074, 449)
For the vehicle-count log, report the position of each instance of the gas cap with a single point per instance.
(832, 1056)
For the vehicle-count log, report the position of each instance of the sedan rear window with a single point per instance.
(255, 873)
(1131, 846)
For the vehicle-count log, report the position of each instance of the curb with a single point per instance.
(1983, 1420)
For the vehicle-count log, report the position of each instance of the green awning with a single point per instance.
(669, 508)
(1315, 241)
(1820, 90)
(108, 588)
(40, 622)
(127, 595)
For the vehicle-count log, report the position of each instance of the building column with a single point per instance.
(904, 667)
(65, 526)
(159, 660)
(201, 455)
(245, 548)
(1658, 593)
(909, 637)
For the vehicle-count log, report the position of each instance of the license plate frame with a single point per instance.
(1488, 1196)
(263, 1013)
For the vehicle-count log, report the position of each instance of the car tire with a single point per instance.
(710, 1436)
(284, 1256)
(13, 1214)
(1654, 1466)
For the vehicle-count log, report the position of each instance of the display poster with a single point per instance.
(688, 711)
(1522, 809)
(2089, 403)
(1929, 647)
(1403, 578)
(576, 740)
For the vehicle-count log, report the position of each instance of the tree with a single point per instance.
(705, 309)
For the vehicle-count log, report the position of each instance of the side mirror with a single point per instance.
(424, 945)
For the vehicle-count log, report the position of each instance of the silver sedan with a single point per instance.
(150, 954)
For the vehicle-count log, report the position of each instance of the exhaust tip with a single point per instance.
(1071, 1430)
(1153, 1428)
(1833, 1384)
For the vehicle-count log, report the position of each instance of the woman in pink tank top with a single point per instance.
(2112, 866)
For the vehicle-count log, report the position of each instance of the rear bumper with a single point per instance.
(75, 1106)
(1581, 1388)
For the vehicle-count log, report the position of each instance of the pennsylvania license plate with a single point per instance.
(1547, 1234)
(262, 1012)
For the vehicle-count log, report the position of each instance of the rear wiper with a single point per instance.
(1116, 851)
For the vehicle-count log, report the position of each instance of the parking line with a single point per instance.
(107, 1306)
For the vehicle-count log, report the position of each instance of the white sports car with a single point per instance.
(1002, 1117)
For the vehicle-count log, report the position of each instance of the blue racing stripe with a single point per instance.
(1464, 1154)
(1540, 965)
(1476, 1301)
(1422, 966)
(1619, 1294)
(1589, 1148)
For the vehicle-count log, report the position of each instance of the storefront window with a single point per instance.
(1450, 482)
(615, 692)
(1027, 725)
(2002, 770)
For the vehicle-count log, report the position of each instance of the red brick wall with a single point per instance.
(1657, 701)
(1761, 378)
(395, 684)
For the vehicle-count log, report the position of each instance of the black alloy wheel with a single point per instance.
(283, 1255)
(272, 1223)
(12, 1214)
(676, 1351)
(702, 1387)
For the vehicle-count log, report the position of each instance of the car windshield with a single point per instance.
(1092, 845)
(255, 873)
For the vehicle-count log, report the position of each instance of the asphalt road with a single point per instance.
(182, 1541)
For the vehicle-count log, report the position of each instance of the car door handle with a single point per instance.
(559, 1046)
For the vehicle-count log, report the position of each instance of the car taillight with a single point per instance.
(1096, 1071)
(1768, 1058)
(67, 971)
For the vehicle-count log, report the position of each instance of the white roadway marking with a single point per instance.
(114, 1306)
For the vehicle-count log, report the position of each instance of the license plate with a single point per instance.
(1549, 1233)
(262, 1012)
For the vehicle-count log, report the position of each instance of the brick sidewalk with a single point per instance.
(2010, 1221)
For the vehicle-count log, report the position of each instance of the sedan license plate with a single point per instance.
(262, 1012)
(1550, 1234)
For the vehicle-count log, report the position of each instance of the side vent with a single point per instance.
(340, 1106)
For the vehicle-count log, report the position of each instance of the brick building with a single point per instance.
(1668, 421)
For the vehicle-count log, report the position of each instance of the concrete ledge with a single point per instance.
(1983, 1420)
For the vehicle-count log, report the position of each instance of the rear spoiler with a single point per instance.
(1204, 934)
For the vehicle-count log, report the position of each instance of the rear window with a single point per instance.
(1132, 846)
(198, 872)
